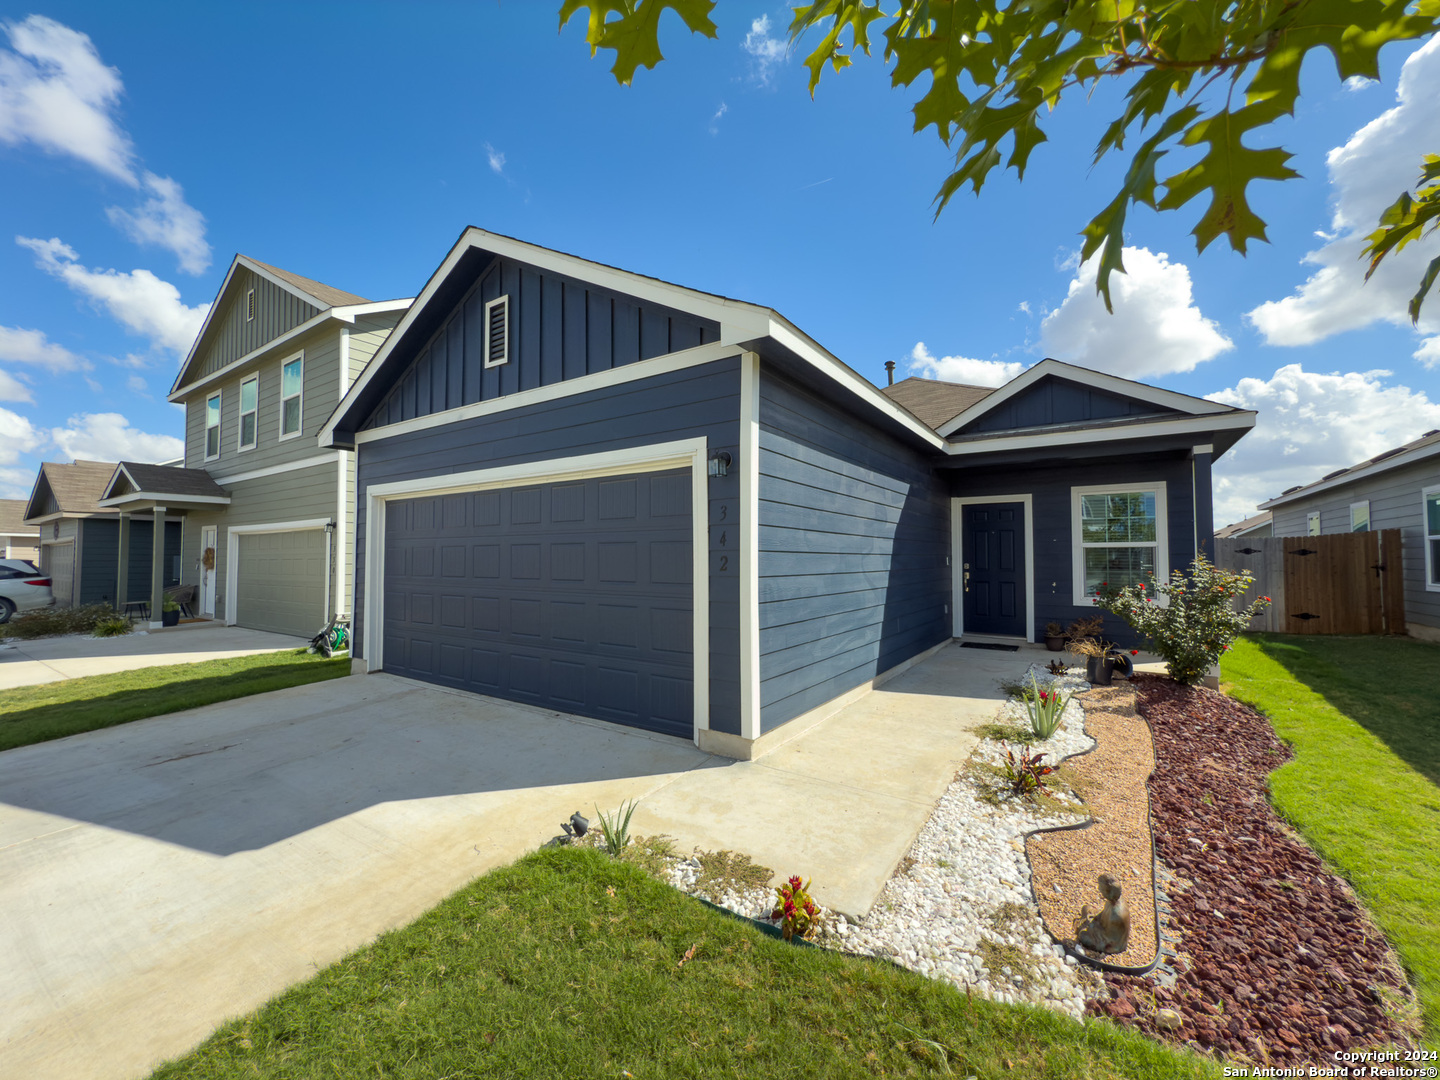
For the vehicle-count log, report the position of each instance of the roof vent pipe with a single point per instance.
(890, 372)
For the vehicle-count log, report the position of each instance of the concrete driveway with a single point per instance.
(160, 877)
(29, 663)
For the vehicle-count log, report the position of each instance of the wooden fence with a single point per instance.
(1339, 583)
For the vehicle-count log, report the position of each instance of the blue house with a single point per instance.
(605, 494)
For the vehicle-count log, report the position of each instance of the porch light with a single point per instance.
(720, 463)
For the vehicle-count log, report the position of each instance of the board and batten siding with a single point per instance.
(560, 328)
(854, 535)
(101, 559)
(1059, 401)
(1050, 491)
(697, 401)
(298, 495)
(1395, 503)
(232, 335)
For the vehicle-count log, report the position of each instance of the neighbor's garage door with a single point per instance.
(58, 564)
(571, 596)
(280, 583)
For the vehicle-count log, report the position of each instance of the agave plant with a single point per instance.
(615, 828)
(1045, 708)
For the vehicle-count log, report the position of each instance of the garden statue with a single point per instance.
(1109, 931)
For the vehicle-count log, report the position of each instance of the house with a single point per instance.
(601, 493)
(1258, 525)
(80, 538)
(1398, 489)
(266, 514)
(17, 540)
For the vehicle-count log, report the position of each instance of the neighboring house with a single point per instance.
(1259, 525)
(80, 539)
(1399, 489)
(604, 494)
(266, 513)
(17, 540)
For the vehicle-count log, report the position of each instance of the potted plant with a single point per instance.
(169, 612)
(1099, 656)
(1054, 637)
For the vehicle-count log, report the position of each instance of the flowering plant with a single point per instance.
(1198, 623)
(1045, 708)
(798, 914)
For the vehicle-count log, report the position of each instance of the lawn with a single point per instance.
(571, 964)
(1364, 785)
(32, 714)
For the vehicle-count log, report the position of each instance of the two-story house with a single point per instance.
(267, 514)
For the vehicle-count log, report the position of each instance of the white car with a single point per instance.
(22, 588)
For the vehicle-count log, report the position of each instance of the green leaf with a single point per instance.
(635, 35)
(1405, 220)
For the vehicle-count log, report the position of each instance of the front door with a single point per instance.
(207, 570)
(993, 568)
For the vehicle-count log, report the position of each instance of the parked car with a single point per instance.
(22, 588)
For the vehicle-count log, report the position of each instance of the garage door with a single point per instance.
(58, 565)
(280, 584)
(570, 596)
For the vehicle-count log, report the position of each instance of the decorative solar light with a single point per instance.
(720, 463)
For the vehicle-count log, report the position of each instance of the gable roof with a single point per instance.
(160, 480)
(76, 488)
(12, 518)
(934, 401)
(1427, 445)
(1240, 528)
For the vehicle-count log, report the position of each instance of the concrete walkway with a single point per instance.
(162, 876)
(29, 663)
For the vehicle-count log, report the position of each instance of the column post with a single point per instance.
(122, 573)
(157, 568)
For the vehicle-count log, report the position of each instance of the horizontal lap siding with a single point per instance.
(699, 401)
(1050, 490)
(1395, 503)
(854, 533)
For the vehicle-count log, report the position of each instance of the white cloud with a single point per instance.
(767, 52)
(166, 220)
(1310, 424)
(139, 300)
(21, 346)
(109, 437)
(1429, 352)
(1381, 160)
(56, 93)
(496, 159)
(16, 483)
(715, 120)
(961, 369)
(1156, 328)
(12, 389)
(137, 385)
(17, 436)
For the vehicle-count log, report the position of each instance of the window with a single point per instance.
(1312, 524)
(1431, 497)
(291, 384)
(1119, 537)
(1360, 516)
(250, 306)
(497, 331)
(249, 393)
(212, 427)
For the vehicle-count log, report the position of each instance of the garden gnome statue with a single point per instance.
(1109, 931)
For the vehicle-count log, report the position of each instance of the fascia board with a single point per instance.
(348, 312)
(1420, 453)
(120, 471)
(1240, 419)
(1153, 394)
(204, 328)
(163, 498)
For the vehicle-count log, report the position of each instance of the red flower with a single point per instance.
(1134, 652)
(789, 907)
(795, 883)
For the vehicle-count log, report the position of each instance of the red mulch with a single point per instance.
(1283, 961)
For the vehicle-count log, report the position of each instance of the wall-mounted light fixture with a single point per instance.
(720, 463)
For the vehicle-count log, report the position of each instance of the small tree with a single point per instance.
(1199, 621)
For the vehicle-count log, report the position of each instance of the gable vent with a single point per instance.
(250, 305)
(497, 331)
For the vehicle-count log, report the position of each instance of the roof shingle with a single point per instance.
(934, 401)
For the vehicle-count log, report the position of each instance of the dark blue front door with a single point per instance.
(993, 568)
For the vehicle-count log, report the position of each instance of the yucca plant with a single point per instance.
(1045, 708)
(615, 828)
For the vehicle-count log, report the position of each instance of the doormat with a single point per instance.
(989, 645)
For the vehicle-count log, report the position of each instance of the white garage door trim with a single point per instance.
(681, 453)
(232, 559)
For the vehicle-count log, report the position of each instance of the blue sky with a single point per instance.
(143, 145)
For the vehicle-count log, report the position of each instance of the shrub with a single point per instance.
(47, 622)
(1045, 708)
(797, 912)
(1198, 623)
(112, 626)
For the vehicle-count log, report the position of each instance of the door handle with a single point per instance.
(967, 580)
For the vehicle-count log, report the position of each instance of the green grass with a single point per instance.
(32, 714)
(1364, 787)
(571, 964)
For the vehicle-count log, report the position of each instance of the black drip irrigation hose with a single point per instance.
(1071, 948)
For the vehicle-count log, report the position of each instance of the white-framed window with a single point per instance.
(1312, 523)
(497, 331)
(212, 426)
(1430, 499)
(292, 395)
(249, 412)
(1360, 516)
(1119, 537)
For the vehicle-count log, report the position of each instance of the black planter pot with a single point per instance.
(170, 618)
(1054, 642)
(1099, 669)
(1124, 665)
